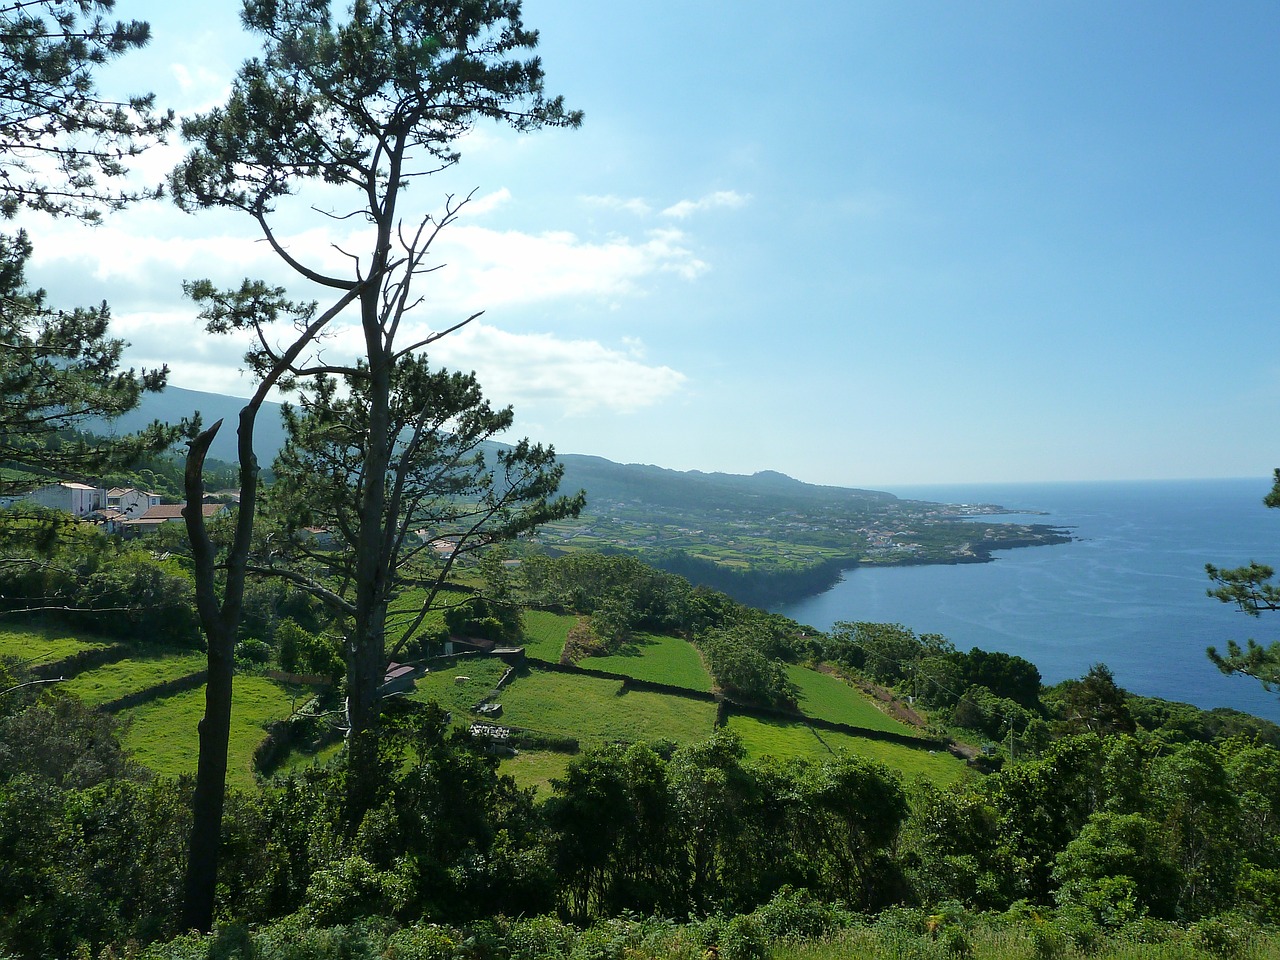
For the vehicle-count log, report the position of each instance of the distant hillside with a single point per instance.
(742, 495)
(175, 403)
(603, 479)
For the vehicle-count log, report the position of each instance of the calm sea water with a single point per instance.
(1129, 592)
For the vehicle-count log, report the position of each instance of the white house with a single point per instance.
(132, 503)
(77, 499)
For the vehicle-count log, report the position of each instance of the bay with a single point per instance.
(1129, 591)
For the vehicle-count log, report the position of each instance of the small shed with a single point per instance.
(399, 678)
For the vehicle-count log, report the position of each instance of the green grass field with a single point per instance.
(783, 739)
(536, 769)
(36, 645)
(830, 698)
(545, 633)
(457, 696)
(162, 734)
(659, 659)
(409, 602)
(596, 711)
(115, 680)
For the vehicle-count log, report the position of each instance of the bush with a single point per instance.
(423, 942)
(348, 889)
(1226, 937)
(743, 939)
(252, 651)
(538, 938)
(796, 915)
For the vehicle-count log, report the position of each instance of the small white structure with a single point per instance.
(77, 499)
(132, 503)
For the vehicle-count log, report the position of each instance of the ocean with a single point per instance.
(1129, 591)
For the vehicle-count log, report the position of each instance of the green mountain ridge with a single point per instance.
(603, 479)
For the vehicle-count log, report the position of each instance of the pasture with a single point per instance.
(599, 711)
(784, 739)
(162, 733)
(829, 698)
(115, 680)
(660, 659)
(545, 633)
(40, 645)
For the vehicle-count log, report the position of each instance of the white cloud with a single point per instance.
(721, 199)
(489, 202)
(490, 268)
(636, 205)
(579, 376)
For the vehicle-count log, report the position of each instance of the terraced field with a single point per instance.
(659, 659)
(115, 680)
(162, 734)
(598, 711)
(830, 698)
(35, 645)
(545, 633)
(459, 687)
(782, 739)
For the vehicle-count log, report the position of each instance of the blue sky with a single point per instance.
(865, 244)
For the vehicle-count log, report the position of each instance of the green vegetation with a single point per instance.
(115, 680)
(445, 685)
(600, 711)
(536, 769)
(1122, 818)
(161, 733)
(39, 645)
(545, 633)
(828, 697)
(660, 659)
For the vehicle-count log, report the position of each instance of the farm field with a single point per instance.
(783, 739)
(597, 711)
(36, 645)
(162, 734)
(830, 698)
(536, 769)
(459, 696)
(406, 605)
(659, 659)
(545, 633)
(115, 680)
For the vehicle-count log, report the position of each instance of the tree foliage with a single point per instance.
(1251, 588)
(63, 149)
(63, 146)
(57, 369)
(451, 494)
(360, 107)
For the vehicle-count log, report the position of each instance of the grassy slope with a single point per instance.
(162, 734)
(596, 711)
(536, 769)
(660, 659)
(115, 680)
(37, 645)
(830, 698)
(545, 633)
(782, 739)
(457, 696)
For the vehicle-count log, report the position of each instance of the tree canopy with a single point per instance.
(1252, 589)
(63, 146)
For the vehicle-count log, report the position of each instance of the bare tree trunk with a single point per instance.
(215, 726)
(366, 652)
(220, 622)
